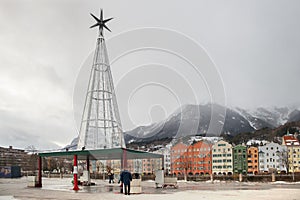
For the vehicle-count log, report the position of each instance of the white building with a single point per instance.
(222, 158)
(271, 157)
(167, 158)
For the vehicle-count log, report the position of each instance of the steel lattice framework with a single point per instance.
(100, 125)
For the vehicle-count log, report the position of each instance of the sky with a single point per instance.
(248, 55)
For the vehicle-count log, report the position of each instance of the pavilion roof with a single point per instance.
(103, 154)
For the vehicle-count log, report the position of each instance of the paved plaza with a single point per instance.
(55, 188)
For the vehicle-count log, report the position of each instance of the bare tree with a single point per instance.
(284, 159)
(185, 164)
(31, 149)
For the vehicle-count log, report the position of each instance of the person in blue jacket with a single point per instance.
(126, 178)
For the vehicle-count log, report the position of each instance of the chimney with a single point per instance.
(10, 147)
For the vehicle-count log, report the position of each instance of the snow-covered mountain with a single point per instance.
(209, 120)
(196, 119)
(193, 120)
(294, 116)
(269, 117)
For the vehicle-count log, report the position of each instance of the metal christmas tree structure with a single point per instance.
(100, 125)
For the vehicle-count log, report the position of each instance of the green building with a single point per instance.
(240, 164)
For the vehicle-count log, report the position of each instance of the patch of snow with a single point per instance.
(251, 142)
(131, 141)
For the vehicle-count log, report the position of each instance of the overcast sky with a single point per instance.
(44, 45)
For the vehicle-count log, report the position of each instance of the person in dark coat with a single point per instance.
(126, 178)
(111, 176)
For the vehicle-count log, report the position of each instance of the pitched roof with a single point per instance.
(289, 140)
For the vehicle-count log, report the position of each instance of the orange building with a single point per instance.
(193, 160)
(252, 160)
(177, 152)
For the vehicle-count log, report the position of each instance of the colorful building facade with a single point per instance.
(293, 151)
(271, 158)
(240, 160)
(222, 158)
(177, 154)
(252, 154)
(193, 160)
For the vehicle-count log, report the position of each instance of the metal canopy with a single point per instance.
(103, 154)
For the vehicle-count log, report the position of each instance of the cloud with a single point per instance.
(35, 105)
(255, 45)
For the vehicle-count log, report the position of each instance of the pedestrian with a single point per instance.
(111, 176)
(126, 178)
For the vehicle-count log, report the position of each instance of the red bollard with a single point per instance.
(75, 172)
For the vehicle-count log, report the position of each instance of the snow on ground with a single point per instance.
(12, 189)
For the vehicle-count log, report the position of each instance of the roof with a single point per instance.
(103, 154)
(290, 140)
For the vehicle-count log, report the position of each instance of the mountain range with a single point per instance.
(196, 119)
(191, 120)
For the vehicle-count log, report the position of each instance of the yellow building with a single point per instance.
(293, 147)
(222, 162)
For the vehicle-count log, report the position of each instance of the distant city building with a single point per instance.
(195, 160)
(271, 158)
(222, 158)
(177, 152)
(293, 148)
(167, 158)
(16, 157)
(252, 160)
(135, 166)
(203, 162)
(151, 165)
(240, 160)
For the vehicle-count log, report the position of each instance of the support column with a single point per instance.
(75, 172)
(88, 170)
(88, 163)
(39, 184)
(124, 159)
(163, 162)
